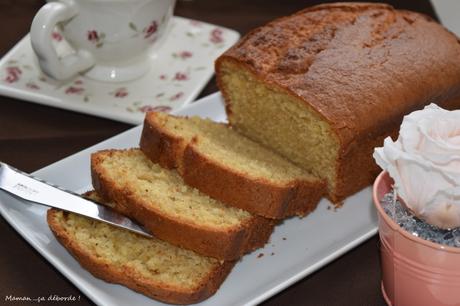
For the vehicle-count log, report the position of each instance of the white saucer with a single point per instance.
(181, 67)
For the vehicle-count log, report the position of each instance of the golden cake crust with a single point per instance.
(258, 196)
(104, 269)
(359, 66)
(345, 61)
(205, 240)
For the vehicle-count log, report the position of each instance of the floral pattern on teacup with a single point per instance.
(13, 74)
(151, 29)
(137, 106)
(32, 85)
(158, 108)
(120, 92)
(177, 96)
(184, 65)
(216, 36)
(180, 76)
(148, 31)
(97, 38)
(55, 35)
(72, 90)
(182, 54)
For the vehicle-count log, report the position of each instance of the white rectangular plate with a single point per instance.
(297, 248)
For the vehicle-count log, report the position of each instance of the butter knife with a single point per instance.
(35, 190)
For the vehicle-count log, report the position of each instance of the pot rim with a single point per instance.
(382, 214)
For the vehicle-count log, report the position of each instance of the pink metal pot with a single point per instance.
(414, 271)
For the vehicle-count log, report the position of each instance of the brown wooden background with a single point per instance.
(33, 136)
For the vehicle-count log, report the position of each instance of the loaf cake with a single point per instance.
(326, 85)
(173, 211)
(150, 266)
(229, 167)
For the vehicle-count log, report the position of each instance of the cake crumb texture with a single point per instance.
(230, 167)
(159, 199)
(150, 266)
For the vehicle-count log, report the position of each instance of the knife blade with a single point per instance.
(35, 190)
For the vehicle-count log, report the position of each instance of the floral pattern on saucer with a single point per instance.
(180, 67)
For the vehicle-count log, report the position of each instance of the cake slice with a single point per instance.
(229, 167)
(173, 211)
(150, 266)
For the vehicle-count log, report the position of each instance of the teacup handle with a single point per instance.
(40, 34)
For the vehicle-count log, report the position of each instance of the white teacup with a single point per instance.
(111, 38)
